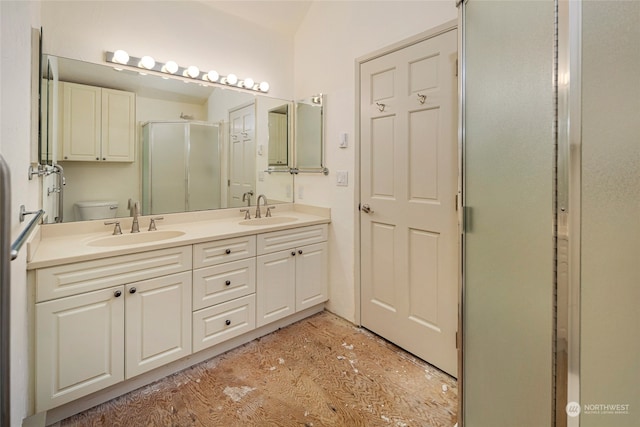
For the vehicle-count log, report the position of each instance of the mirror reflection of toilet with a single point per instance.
(96, 209)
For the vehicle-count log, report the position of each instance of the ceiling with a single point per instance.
(283, 16)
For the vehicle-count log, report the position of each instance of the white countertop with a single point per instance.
(55, 244)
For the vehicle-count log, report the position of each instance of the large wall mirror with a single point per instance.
(171, 145)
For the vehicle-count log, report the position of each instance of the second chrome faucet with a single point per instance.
(258, 212)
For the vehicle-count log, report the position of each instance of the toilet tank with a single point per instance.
(95, 209)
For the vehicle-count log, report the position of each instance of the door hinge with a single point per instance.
(456, 67)
(456, 340)
(457, 202)
(228, 183)
(359, 206)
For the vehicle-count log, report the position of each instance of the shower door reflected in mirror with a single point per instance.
(180, 167)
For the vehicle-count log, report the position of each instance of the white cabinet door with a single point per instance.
(97, 124)
(81, 122)
(118, 126)
(275, 286)
(158, 322)
(311, 275)
(80, 343)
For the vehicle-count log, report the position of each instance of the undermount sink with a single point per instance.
(135, 238)
(271, 220)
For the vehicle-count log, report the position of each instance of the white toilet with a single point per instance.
(97, 209)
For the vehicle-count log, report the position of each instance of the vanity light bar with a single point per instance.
(121, 59)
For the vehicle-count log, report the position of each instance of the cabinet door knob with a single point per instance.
(293, 253)
(228, 251)
(132, 290)
(300, 251)
(228, 282)
(227, 322)
(117, 294)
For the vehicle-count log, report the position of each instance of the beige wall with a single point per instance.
(16, 20)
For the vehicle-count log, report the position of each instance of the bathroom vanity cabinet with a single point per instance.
(223, 290)
(102, 322)
(292, 272)
(98, 124)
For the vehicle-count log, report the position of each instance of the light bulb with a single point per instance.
(264, 86)
(120, 56)
(170, 67)
(248, 83)
(147, 62)
(192, 72)
(232, 79)
(212, 76)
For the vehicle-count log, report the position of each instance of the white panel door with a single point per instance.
(409, 175)
(275, 286)
(158, 322)
(242, 152)
(80, 346)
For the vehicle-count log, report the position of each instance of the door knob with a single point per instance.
(367, 209)
(132, 290)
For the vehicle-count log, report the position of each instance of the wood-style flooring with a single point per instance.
(322, 371)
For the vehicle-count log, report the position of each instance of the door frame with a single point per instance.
(433, 32)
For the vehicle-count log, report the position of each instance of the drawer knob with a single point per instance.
(227, 322)
(293, 253)
(228, 282)
(300, 251)
(132, 290)
(228, 251)
(117, 294)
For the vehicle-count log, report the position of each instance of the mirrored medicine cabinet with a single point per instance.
(193, 147)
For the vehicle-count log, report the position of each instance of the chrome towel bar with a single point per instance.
(22, 237)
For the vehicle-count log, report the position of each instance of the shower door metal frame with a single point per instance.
(568, 213)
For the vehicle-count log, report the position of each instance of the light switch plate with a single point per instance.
(344, 140)
(342, 178)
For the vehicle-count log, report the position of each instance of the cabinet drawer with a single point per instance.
(221, 322)
(219, 251)
(286, 239)
(224, 282)
(80, 277)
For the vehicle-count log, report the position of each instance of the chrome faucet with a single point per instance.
(134, 209)
(263, 197)
(246, 197)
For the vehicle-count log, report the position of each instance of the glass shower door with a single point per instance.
(204, 167)
(165, 168)
(508, 259)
